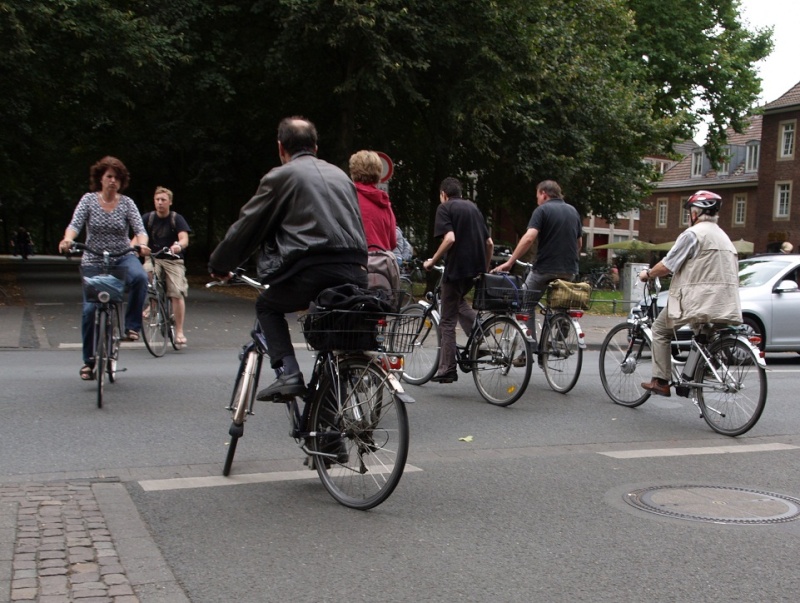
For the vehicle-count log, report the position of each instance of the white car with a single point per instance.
(770, 297)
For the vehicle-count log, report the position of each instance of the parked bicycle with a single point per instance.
(411, 272)
(158, 320)
(105, 287)
(352, 423)
(723, 374)
(601, 278)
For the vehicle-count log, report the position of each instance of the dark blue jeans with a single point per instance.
(295, 293)
(136, 283)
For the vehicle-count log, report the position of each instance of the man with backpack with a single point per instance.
(169, 229)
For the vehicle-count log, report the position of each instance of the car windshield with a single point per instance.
(754, 272)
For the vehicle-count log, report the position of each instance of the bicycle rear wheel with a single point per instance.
(154, 329)
(360, 444)
(563, 357)
(733, 399)
(501, 364)
(406, 286)
(625, 361)
(421, 363)
(100, 354)
(244, 391)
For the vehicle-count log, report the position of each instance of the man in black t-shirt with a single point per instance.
(169, 229)
(558, 228)
(468, 249)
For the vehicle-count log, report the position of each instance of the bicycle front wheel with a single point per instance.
(242, 398)
(421, 363)
(100, 354)
(112, 347)
(154, 329)
(563, 357)
(360, 441)
(625, 362)
(733, 388)
(501, 364)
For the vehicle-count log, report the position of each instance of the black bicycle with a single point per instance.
(158, 319)
(352, 422)
(495, 351)
(105, 287)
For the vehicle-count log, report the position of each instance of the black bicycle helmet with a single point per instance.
(706, 201)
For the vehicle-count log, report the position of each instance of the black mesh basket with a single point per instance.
(348, 330)
(98, 280)
(496, 299)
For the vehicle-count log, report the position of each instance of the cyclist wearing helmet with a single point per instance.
(705, 283)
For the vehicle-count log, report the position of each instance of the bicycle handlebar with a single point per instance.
(238, 278)
(77, 246)
(164, 253)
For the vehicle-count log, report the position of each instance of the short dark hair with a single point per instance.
(297, 134)
(550, 188)
(451, 187)
(101, 167)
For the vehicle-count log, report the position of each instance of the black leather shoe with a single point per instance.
(447, 377)
(283, 387)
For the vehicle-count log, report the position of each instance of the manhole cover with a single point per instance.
(716, 504)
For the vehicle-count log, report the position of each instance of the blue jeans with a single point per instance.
(136, 283)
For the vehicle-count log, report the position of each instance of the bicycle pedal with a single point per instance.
(682, 391)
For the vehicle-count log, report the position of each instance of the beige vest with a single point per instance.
(706, 288)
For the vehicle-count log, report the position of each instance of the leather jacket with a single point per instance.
(305, 212)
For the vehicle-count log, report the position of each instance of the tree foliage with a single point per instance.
(503, 94)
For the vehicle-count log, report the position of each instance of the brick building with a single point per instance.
(756, 183)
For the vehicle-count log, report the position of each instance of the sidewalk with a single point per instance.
(80, 540)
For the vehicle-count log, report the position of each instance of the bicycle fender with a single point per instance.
(399, 392)
(756, 352)
(581, 336)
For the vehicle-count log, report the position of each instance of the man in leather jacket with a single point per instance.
(305, 220)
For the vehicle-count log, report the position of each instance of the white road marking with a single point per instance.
(77, 346)
(183, 483)
(657, 452)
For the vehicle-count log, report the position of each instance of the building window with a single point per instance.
(786, 139)
(684, 212)
(725, 166)
(739, 209)
(661, 218)
(697, 164)
(753, 155)
(783, 200)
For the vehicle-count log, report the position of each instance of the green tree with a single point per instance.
(700, 59)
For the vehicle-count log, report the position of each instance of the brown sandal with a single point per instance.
(87, 373)
(131, 335)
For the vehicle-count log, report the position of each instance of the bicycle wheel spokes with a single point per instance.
(421, 364)
(733, 395)
(361, 431)
(625, 362)
(563, 357)
(154, 329)
(501, 364)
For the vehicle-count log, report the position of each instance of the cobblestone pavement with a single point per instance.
(78, 541)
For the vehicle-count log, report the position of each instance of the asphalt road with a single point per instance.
(532, 509)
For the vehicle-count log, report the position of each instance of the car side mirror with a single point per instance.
(786, 287)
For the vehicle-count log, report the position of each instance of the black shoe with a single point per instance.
(448, 377)
(284, 386)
